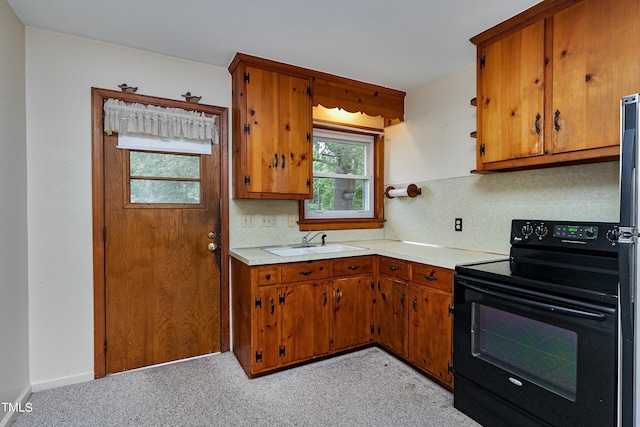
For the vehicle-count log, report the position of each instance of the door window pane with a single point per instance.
(164, 178)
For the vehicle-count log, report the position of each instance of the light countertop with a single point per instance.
(438, 256)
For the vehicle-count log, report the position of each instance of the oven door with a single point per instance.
(540, 355)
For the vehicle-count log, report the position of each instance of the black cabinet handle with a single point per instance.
(275, 161)
(402, 298)
(393, 268)
(305, 273)
(537, 124)
(283, 161)
(426, 276)
(556, 115)
(339, 295)
(415, 304)
(324, 297)
(273, 306)
(353, 267)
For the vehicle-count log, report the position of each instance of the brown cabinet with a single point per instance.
(288, 313)
(413, 314)
(550, 82)
(272, 127)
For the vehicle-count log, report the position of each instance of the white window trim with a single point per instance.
(366, 140)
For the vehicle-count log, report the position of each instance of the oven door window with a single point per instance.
(541, 353)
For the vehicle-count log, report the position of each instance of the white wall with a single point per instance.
(433, 149)
(14, 322)
(60, 72)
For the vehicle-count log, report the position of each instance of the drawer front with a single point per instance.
(434, 277)
(268, 275)
(301, 271)
(394, 267)
(351, 266)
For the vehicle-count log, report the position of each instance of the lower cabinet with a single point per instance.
(285, 314)
(289, 313)
(414, 315)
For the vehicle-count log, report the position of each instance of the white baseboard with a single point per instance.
(62, 381)
(20, 401)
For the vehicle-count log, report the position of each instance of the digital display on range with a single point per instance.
(575, 232)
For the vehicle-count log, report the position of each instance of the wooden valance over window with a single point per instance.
(333, 91)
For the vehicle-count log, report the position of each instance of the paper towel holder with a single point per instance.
(412, 190)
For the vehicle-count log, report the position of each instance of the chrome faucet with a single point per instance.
(306, 239)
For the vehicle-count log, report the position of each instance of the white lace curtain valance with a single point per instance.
(163, 122)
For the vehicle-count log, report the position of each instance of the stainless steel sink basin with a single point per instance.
(311, 250)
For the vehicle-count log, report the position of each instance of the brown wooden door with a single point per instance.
(267, 329)
(392, 315)
(306, 311)
(430, 331)
(295, 136)
(352, 312)
(162, 281)
(595, 63)
(511, 96)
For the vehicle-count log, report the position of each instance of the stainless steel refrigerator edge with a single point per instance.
(628, 256)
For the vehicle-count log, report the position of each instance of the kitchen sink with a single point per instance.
(298, 250)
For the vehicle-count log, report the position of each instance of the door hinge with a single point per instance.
(482, 149)
(451, 309)
(281, 299)
(247, 179)
(258, 302)
(258, 356)
(281, 350)
(247, 128)
(246, 77)
(483, 62)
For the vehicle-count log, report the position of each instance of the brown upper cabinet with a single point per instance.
(273, 119)
(550, 81)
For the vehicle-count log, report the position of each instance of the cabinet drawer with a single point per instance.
(394, 267)
(301, 271)
(434, 277)
(268, 275)
(350, 266)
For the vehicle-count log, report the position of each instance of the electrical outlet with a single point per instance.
(247, 221)
(292, 221)
(458, 224)
(269, 220)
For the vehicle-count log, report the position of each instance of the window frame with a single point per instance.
(307, 223)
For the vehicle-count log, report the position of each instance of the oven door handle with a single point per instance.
(540, 305)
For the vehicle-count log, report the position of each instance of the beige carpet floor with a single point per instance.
(364, 388)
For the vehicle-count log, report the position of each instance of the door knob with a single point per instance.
(212, 234)
(212, 247)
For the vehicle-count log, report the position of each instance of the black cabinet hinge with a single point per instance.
(105, 346)
(258, 356)
(451, 310)
(308, 182)
(483, 62)
(378, 286)
(247, 179)
(280, 299)
(246, 77)
(372, 329)
(104, 234)
(373, 286)
(281, 350)
(378, 330)
(258, 303)
(449, 368)
(308, 137)
(482, 149)
(309, 91)
(247, 128)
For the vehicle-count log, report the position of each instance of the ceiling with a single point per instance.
(399, 44)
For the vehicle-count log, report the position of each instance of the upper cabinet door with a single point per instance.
(260, 130)
(595, 63)
(511, 96)
(294, 135)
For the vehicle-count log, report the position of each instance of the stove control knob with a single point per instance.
(541, 231)
(527, 230)
(612, 235)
